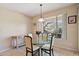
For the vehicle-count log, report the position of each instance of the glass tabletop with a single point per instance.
(35, 42)
(41, 42)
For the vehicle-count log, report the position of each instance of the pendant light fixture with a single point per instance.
(41, 16)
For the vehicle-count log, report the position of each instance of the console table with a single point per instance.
(14, 38)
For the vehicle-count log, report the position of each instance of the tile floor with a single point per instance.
(21, 52)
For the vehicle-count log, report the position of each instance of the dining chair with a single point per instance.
(30, 47)
(45, 36)
(48, 48)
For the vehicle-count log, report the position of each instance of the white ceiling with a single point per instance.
(32, 9)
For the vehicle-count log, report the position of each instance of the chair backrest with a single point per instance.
(28, 42)
(52, 40)
(45, 36)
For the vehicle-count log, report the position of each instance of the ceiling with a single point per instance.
(33, 9)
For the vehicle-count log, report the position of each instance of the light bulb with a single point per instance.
(41, 20)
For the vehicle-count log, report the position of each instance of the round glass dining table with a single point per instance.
(40, 43)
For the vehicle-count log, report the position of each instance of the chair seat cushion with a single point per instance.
(46, 46)
(35, 47)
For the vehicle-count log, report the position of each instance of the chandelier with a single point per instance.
(41, 19)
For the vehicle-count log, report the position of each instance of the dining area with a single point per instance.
(43, 33)
(40, 46)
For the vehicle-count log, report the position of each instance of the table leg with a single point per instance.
(16, 42)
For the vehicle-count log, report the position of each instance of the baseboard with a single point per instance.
(21, 45)
(4, 50)
(10, 48)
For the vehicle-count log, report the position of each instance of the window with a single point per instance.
(50, 24)
(59, 26)
(56, 25)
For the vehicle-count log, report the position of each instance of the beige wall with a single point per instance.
(12, 23)
(72, 38)
(78, 28)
